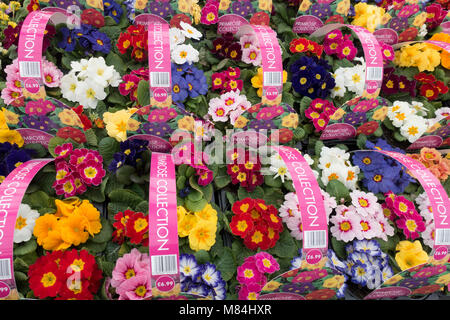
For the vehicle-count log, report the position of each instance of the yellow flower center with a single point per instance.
(21, 223)
(48, 279)
(130, 273)
(141, 291)
(140, 224)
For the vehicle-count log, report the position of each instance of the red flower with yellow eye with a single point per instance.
(137, 229)
(241, 224)
(257, 223)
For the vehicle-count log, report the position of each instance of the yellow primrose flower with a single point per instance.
(271, 286)
(265, 5)
(70, 118)
(208, 214)
(186, 123)
(394, 279)
(202, 236)
(240, 122)
(290, 121)
(380, 114)
(444, 279)
(304, 6)
(410, 254)
(338, 114)
(186, 225)
(420, 19)
(140, 4)
(334, 282)
(10, 117)
(117, 123)
(224, 5)
(11, 136)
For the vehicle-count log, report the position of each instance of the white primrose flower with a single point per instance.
(26, 218)
(189, 31)
(69, 85)
(184, 53)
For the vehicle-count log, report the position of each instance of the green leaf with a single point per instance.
(202, 256)
(231, 197)
(91, 137)
(226, 264)
(285, 246)
(38, 199)
(20, 276)
(318, 147)
(143, 93)
(125, 196)
(339, 248)
(273, 182)
(181, 182)
(40, 151)
(107, 147)
(142, 207)
(208, 191)
(195, 206)
(222, 179)
(123, 174)
(338, 190)
(25, 248)
(258, 193)
(361, 141)
(105, 233)
(195, 196)
(94, 247)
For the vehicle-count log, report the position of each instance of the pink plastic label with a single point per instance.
(12, 191)
(340, 131)
(165, 283)
(35, 136)
(372, 54)
(389, 293)
(159, 55)
(437, 196)
(446, 27)
(230, 23)
(146, 19)
(155, 143)
(30, 48)
(272, 63)
(281, 296)
(426, 141)
(386, 35)
(4, 290)
(163, 228)
(254, 139)
(312, 209)
(307, 24)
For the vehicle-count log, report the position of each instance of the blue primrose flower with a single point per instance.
(361, 273)
(189, 267)
(210, 275)
(99, 42)
(68, 42)
(113, 10)
(179, 88)
(369, 247)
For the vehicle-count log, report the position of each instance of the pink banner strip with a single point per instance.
(30, 47)
(12, 190)
(437, 196)
(312, 208)
(159, 61)
(163, 223)
(272, 62)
